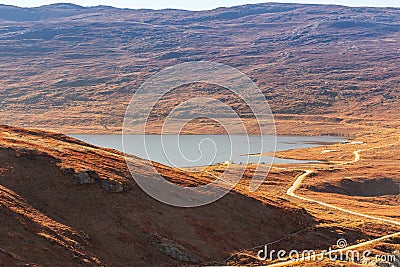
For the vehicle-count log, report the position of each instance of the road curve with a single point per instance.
(296, 185)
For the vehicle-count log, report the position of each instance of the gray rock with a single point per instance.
(91, 177)
(112, 186)
(84, 177)
(172, 249)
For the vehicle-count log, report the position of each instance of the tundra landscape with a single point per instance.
(325, 70)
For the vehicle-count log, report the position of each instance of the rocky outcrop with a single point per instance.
(86, 177)
(172, 249)
(91, 177)
(111, 186)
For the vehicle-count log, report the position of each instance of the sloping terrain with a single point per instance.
(67, 203)
(51, 215)
(360, 187)
(324, 69)
(354, 191)
(75, 69)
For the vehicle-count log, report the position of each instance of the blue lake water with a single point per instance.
(201, 150)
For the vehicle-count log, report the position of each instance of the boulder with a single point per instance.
(86, 177)
(91, 177)
(172, 249)
(112, 186)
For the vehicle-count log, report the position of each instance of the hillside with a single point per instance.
(67, 203)
(324, 69)
(55, 217)
(75, 69)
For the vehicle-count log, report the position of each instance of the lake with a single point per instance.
(201, 150)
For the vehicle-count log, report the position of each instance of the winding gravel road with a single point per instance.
(292, 193)
(296, 185)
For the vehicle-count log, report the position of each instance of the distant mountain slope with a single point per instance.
(53, 11)
(49, 216)
(335, 61)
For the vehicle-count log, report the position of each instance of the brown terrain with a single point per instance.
(52, 215)
(324, 69)
(67, 203)
(353, 184)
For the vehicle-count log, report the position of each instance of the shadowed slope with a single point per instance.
(43, 206)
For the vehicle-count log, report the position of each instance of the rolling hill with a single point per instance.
(75, 68)
(66, 203)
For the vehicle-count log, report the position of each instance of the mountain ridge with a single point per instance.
(313, 60)
(269, 7)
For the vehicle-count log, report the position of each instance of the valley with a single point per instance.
(325, 70)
